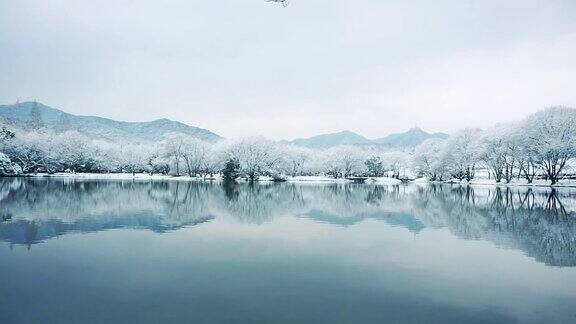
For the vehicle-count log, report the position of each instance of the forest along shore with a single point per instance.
(538, 150)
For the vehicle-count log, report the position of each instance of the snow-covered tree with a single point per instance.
(427, 159)
(255, 155)
(551, 135)
(156, 161)
(6, 166)
(173, 145)
(461, 154)
(134, 158)
(73, 151)
(374, 166)
(212, 164)
(194, 154)
(529, 162)
(499, 150)
(6, 134)
(28, 150)
(295, 159)
(231, 170)
(344, 161)
(394, 162)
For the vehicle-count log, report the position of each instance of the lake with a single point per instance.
(88, 251)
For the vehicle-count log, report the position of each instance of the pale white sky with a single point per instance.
(248, 67)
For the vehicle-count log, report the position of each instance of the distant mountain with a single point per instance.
(334, 139)
(411, 138)
(26, 232)
(19, 115)
(399, 219)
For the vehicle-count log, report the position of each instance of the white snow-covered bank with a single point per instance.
(384, 180)
(514, 183)
(147, 177)
(316, 179)
(299, 179)
(115, 176)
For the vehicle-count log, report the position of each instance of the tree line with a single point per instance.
(540, 146)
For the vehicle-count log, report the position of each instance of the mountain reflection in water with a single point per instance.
(541, 222)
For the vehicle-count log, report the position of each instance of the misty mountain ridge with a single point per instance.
(19, 115)
(55, 119)
(334, 139)
(411, 138)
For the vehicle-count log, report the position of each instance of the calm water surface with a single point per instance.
(160, 252)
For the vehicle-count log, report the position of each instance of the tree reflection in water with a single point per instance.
(541, 222)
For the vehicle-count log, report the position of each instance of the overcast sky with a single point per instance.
(249, 67)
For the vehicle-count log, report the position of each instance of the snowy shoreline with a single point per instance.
(486, 182)
(146, 177)
(298, 179)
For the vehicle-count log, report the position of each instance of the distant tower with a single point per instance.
(63, 123)
(34, 121)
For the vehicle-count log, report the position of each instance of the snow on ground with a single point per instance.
(384, 180)
(421, 180)
(514, 182)
(146, 176)
(119, 176)
(301, 179)
(112, 176)
(313, 179)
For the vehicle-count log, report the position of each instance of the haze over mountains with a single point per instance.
(410, 138)
(19, 115)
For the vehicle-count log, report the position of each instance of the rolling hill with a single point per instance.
(58, 120)
(333, 139)
(410, 138)
(19, 115)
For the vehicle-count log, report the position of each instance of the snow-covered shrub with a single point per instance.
(7, 168)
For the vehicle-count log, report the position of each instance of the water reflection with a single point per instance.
(539, 222)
